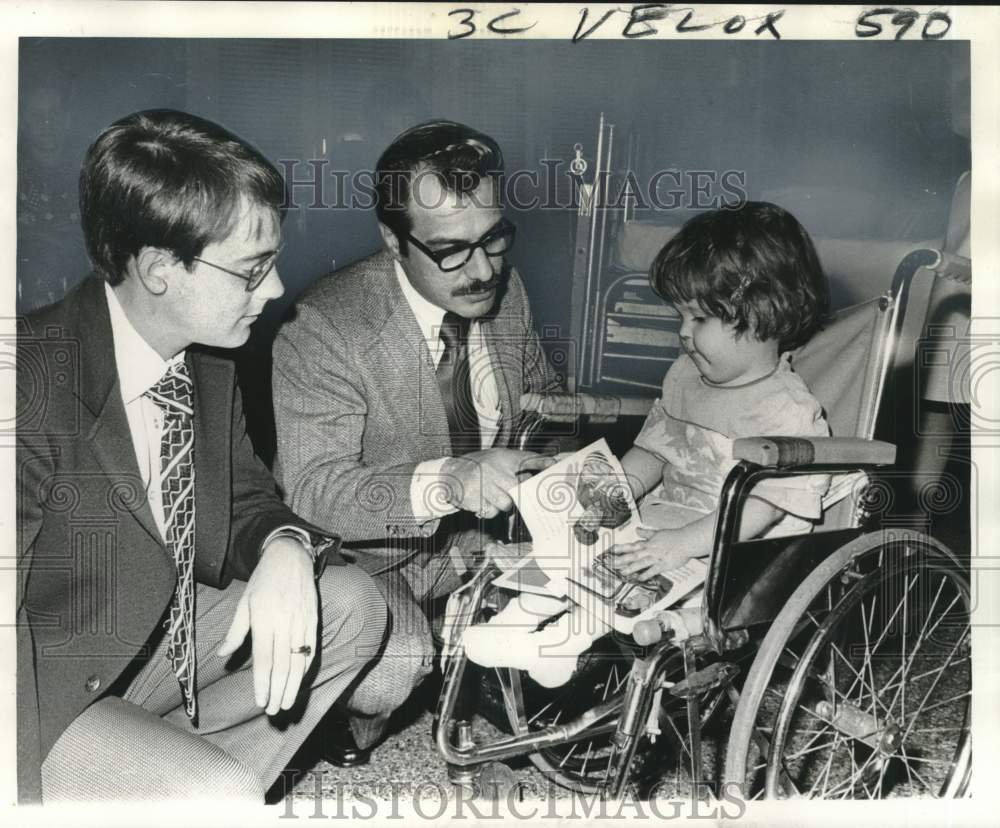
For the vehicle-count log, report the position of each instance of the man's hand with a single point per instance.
(479, 481)
(659, 552)
(279, 610)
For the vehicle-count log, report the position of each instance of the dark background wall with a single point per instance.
(862, 140)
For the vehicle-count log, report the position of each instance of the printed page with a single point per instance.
(576, 512)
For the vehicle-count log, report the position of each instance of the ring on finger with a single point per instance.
(305, 650)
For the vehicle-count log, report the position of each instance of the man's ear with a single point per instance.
(390, 239)
(154, 268)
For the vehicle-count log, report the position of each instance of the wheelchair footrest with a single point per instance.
(716, 675)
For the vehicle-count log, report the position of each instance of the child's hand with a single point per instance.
(656, 554)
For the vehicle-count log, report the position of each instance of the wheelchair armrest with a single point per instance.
(787, 452)
(567, 408)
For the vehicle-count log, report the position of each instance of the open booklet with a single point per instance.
(577, 511)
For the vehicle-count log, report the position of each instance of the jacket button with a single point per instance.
(92, 684)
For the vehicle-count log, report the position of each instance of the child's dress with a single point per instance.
(691, 428)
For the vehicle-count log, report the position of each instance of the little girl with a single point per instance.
(749, 287)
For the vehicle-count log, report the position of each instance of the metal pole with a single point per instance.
(600, 252)
(584, 333)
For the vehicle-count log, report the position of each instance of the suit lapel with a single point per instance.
(213, 387)
(112, 445)
(399, 358)
(100, 392)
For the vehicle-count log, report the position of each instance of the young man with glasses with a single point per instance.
(396, 391)
(177, 633)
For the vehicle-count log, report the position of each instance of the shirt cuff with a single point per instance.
(315, 545)
(429, 491)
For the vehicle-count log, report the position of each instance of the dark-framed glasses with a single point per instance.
(255, 275)
(495, 243)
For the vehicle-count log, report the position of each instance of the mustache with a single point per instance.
(478, 287)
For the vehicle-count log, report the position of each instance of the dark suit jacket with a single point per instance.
(94, 577)
(357, 405)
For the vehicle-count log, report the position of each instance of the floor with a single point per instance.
(406, 765)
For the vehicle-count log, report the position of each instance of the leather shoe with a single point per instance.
(339, 747)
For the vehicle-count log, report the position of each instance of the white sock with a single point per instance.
(503, 640)
(557, 647)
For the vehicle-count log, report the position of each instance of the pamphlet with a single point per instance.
(577, 511)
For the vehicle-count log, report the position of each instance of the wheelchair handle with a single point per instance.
(567, 408)
(953, 267)
(949, 266)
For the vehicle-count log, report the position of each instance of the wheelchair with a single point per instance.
(842, 656)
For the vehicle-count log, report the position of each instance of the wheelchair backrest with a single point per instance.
(842, 366)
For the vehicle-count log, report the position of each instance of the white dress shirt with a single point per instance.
(139, 369)
(485, 395)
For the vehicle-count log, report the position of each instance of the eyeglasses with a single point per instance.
(495, 243)
(255, 275)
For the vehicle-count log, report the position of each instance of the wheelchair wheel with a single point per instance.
(602, 673)
(862, 686)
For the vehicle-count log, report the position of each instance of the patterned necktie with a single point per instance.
(455, 383)
(173, 394)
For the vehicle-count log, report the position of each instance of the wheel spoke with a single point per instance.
(906, 764)
(569, 753)
(607, 684)
(899, 607)
(925, 761)
(845, 785)
(938, 729)
(906, 624)
(912, 771)
(811, 748)
(937, 679)
(856, 776)
(680, 738)
(868, 662)
(883, 767)
(936, 705)
(825, 774)
(586, 759)
(542, 710)
(914, 679)
(858, 680)
(924, 634)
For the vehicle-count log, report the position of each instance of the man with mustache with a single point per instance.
(396, 392)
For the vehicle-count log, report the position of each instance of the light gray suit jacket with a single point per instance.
(357, 406)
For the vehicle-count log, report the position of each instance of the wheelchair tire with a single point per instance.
(602, 672)
(811, 712)
(583, 766)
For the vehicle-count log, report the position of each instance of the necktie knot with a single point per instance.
(454, 330)
(174, 390)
